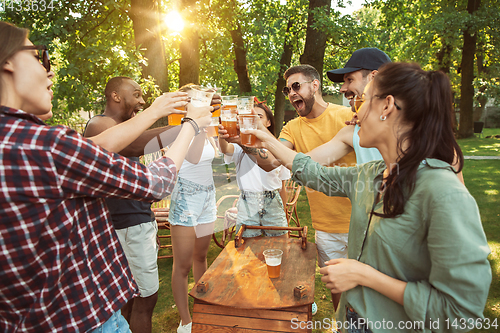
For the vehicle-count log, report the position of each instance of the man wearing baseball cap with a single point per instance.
(359, 70)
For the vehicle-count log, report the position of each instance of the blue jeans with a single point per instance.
(115, 324)
(354, 325)
(261, 209)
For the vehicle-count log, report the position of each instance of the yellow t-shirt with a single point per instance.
(328, 214)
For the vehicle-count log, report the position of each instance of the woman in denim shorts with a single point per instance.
(192, 216)
(263, 194)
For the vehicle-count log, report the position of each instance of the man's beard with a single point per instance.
(308, 105)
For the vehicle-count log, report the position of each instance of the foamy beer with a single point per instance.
(273, 262)
(247, 122)
(229, 114)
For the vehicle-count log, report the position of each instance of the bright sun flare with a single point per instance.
(174, 21)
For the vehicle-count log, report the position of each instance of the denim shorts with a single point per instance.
(352, 318)
(192, 204)
(115, 324)
(261, 209)
(141, 250)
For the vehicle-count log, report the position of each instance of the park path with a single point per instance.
(482, 157)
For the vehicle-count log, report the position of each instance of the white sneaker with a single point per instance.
(184, 328)
(314, 308)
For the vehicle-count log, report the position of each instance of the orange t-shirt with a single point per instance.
(328, 214)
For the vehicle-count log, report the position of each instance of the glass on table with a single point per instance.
(273, 261)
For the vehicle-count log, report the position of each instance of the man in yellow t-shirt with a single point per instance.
(318, 123)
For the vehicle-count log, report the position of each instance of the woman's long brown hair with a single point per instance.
(426, 101)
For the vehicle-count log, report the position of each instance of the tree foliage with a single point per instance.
(93, 40)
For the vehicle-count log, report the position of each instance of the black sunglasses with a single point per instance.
(43, 57)
(295, 86)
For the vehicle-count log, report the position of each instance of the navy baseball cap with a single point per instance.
(369, 58)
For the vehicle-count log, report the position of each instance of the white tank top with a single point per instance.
(200, 173)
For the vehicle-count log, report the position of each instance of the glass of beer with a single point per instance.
(174, 119)
(247, 122)
(273, 262)
(201, 96)
(216, 114)
(229, 114)
(245, 104)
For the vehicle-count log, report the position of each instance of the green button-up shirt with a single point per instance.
(437, 245)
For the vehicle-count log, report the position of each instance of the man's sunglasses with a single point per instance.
(295, 86)
(43, 55)
(359, 101)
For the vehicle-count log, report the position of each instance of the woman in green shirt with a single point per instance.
(417, 253)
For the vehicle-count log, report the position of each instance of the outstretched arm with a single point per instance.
(339, 146)
(268, 141)
(224, 145)
(196, 148)
(201, 118)
(130, 137)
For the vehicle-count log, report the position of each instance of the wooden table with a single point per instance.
(236, 294)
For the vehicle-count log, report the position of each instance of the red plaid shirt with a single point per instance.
(61, 266)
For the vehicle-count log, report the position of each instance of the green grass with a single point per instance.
(482, 178)
(481, 146)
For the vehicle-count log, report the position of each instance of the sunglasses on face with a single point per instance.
(43, 54)
(295, 86)
(359, 101)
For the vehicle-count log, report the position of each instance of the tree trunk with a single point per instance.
(146, 20)
(314, 49)
(444, 56)
(481, 71)
(189, 64)
(240, 63)
(279, 98)
(466, 128)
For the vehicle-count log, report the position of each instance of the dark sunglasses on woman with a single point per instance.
(43, 54)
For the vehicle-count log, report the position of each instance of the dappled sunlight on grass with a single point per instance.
(495, 146)
(481, 146)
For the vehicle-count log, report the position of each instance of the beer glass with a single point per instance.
(247, 122)
(216, 114)
(200, 96)
(245, 104)
(174, 119)
(273, 262)
(229, 114)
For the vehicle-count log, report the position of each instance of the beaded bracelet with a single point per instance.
(193, 123)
